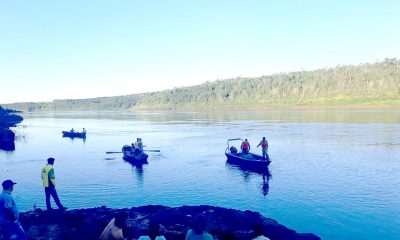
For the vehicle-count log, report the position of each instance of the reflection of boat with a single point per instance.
(132, 156)
(247, 172)
(249, 160)
(74, 134)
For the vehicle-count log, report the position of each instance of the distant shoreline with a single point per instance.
(375, 85)
(227, 108)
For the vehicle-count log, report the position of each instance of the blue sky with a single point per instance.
(80, 49)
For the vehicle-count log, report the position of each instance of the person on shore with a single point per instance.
(264, 147)
(245, 147)
(49, 184)
(154, 232)
(198, 232)
(259, 232)
(113, 230)
(9, 224)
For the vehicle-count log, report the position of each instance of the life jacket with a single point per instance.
(264, 144)
(245, 145)
(45, 176)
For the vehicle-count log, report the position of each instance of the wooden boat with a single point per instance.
(249, 160)
(74, 134)
(132, 156)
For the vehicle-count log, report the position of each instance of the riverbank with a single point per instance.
(175, 221)
(7, 136)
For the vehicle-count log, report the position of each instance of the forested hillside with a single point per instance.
(366, 84)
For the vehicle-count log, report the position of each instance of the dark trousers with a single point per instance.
(12, 231)
(51, 191)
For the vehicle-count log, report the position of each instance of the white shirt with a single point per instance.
(148, 238)
(261, 237)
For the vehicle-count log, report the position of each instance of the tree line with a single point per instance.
(365, 84)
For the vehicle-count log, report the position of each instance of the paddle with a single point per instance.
(143, 150)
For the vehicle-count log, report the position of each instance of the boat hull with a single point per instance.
(74, 134)
(249, 160)
(133, 157)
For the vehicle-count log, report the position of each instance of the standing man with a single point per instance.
(9, 224)
(137, 148)
(49, 184)
(264, 146)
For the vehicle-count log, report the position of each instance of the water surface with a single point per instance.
(335, 173)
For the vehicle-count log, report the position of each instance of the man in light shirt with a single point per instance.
(113, 230)
(9, 224)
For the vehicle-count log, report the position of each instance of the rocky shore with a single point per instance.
(7, 136)
(175, 221)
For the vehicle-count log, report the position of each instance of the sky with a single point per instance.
(82, 49)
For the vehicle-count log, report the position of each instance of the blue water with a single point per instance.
(335, 173)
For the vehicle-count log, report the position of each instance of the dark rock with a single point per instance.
(7, 136)
(175, 221)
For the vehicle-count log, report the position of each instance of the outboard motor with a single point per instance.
(233, 149)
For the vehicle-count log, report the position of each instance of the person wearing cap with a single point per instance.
(9, 224)
(49, 184)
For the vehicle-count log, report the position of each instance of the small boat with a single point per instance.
(132, 156)
(74, 134)
(250, 160)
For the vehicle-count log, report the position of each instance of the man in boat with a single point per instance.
(264, 147)
(49, 184)
(83, 130)
(10, 227)
(245, 147)
(72, 130)
(140, 145)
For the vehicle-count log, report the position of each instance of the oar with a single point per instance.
(112, 152)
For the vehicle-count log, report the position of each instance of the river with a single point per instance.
(334, 172)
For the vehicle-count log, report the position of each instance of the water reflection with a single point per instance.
(304, 115)
(76, 138)
(247, 172)
(137, 168)
(265, 183)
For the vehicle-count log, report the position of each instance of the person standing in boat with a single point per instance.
(245, 147)
(49, 184)
(83, 130)
(264, 147)
(140, 145)
(72, 130)
(137, 149)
